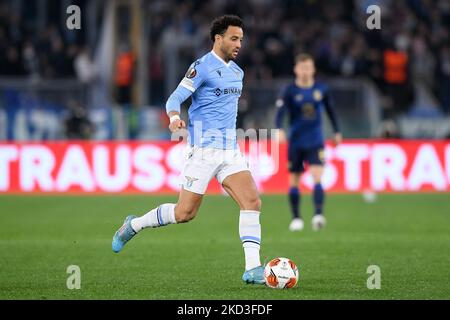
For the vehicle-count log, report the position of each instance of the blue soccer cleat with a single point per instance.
(254, 276)
(123, 235)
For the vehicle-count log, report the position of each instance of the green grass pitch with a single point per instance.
(406, 235)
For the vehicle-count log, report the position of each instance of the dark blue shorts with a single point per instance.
(297, 157)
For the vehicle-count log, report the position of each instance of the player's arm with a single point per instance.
(279, 117)
(329, 107)
(173, 106)
(192, 80)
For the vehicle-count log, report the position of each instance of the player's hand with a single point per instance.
(281, 136)
(176, 125)
(338, 138)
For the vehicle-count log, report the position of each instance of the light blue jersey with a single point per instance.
(215, 87)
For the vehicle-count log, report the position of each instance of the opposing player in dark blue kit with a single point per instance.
(214, 82)
(304, 101)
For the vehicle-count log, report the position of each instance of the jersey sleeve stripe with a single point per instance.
(186, 83)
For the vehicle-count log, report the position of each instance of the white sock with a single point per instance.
(158, 217)
(250, 233)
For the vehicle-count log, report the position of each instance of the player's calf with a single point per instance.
(252, 203)
(183, 214)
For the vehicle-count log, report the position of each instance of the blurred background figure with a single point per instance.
(123, 78)
(128, 55)
(77, 124)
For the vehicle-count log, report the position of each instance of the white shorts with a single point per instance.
(202, 164)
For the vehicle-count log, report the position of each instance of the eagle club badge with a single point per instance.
(317, 95)
(191, 73)
(189, 181)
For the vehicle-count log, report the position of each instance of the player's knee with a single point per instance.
(253, 203)
(183, 215)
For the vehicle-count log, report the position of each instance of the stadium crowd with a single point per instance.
(335, 32)
(412, 46)
(27, 51)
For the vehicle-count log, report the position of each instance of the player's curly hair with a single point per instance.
(221, 24)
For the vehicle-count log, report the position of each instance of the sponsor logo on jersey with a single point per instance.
(308, 110)
(232, 91)
(191, 73)
(235, 91)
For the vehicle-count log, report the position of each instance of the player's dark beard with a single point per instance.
(228, 56)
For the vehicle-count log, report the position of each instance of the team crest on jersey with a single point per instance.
(308, 110)
(190, 181)
(298, 97)
(317, 95)
(191, 73)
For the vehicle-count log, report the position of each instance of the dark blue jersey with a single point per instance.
(304, 107)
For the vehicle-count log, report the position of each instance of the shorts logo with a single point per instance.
(190, 180)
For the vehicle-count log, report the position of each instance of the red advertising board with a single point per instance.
(154, 167)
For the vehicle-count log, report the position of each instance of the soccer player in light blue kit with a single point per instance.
(215, 83)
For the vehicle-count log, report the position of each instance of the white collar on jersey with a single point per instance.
(223, 61)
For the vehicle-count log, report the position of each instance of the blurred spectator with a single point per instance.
(156, 76)
(389, 130)
(333, 31)
(31, 62)
(444, 77)
(85, 68)
(423, 62)
(13, 65)
(398, 85)
(123, 78)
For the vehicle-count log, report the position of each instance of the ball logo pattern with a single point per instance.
(281, 273)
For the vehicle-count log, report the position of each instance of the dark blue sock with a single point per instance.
(294, 200)
(318, 196)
